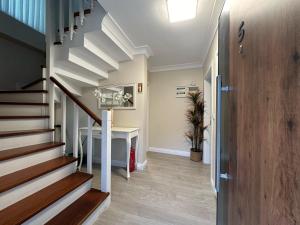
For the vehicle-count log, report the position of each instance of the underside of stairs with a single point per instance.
(84, 57)
(38, 183)
(88, 45)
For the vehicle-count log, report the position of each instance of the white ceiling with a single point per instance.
(146, 23)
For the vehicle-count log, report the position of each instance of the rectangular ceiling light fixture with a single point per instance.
(180, 10)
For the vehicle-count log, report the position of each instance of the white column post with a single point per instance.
(90, 146)
(63, 120)
(44, 74)
(48, 71)
(106, 151)
(75, 131)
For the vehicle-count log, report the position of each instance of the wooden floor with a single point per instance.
(171, 191)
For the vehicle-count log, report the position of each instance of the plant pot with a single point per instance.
(196, 156)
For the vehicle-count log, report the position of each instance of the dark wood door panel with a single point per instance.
(264, 137)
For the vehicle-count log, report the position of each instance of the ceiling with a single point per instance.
(173, 44)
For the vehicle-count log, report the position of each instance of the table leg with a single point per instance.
(81, 150)
(128, 145)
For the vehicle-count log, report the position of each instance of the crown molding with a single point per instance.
(112, 29)
(184, 66)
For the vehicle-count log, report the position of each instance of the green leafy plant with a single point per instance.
(195, 118)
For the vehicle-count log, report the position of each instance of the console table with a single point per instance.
(116, 133)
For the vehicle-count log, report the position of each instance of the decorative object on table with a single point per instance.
(140, 87)
(195, 118)
(116, 97)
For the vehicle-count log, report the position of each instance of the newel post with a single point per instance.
(106, 151)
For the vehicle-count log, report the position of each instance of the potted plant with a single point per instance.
(195, 118)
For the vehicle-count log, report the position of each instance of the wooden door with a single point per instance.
(264, 108)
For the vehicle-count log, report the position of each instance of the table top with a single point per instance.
(115, 129)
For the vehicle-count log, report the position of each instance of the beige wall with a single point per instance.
(130, 72)
(211, 62)
(167, 113)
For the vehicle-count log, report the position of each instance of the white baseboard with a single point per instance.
(141, 166)
(170, 151)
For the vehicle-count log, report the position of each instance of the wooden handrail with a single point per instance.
(78, 102)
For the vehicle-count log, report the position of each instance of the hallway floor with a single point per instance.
(171, 191)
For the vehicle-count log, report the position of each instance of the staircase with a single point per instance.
(88, 44)
(38, 183)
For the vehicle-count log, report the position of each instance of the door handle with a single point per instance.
(226, 88)
(218, 133)
(225, 176)
(220, 89)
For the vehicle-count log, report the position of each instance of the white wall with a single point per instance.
(167, 113)
(21, 32)
(19, 60)
(207, 117)
(211, 63)
(130, 72)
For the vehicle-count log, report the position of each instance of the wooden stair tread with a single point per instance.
(24, 103)
(23, 91)
(24, 132)
(23, 117)
(12, 180)
(17, 152)
(23, 210)
(81, 209)
(34, 82)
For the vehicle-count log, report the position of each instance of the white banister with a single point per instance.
(61, 21)
(75, 131)
(89, 151)
(63, 120)
(71, 19)
(106, 151)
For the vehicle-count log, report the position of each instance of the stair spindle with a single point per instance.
(71, 19)
(75, 130)
(61, 21)
(90, 146)
(81, 11)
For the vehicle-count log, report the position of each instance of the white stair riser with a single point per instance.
(78, 78)
(23, 97)
(50, 212)
(111, 64)
(22, 191)
(23, 124)
(23, 110)
(13, 165)
(39, 86)
(88, 66)
(95, 215)
(25, 140)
